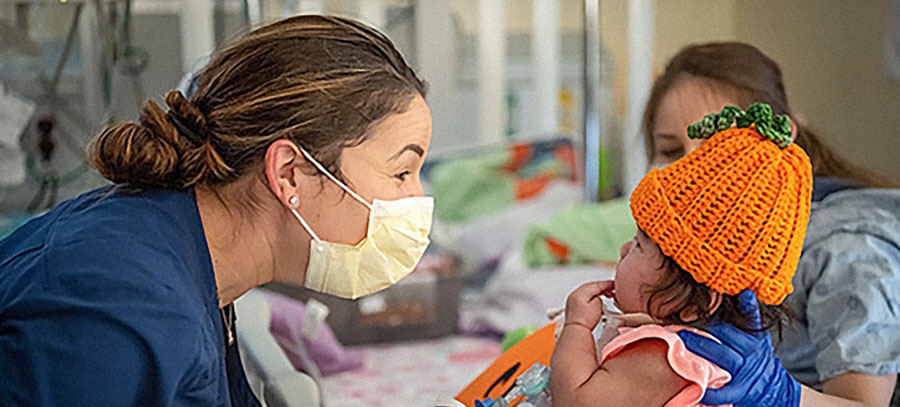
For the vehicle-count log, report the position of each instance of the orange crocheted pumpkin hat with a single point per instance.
(733, 213)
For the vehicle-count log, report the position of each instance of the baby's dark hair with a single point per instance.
(677, 291)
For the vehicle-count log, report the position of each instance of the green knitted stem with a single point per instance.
(759, 115)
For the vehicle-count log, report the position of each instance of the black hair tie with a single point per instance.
(189, 132)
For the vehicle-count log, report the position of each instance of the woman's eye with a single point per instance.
(402, 176)
(671, 154)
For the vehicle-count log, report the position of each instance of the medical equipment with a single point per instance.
(56, 69)
(15, 112)
(531, 384)
(613, 319)
(608, 328)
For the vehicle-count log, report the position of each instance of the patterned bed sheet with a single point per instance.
(411, 373)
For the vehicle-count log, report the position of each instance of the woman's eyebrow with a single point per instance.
(666, 136)
(409, 147)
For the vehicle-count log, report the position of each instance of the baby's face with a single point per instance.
(639, 268)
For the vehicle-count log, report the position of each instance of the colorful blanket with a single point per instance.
(474, 186)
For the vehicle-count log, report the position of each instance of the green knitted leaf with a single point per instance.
(756, 113)
(713, 123)
(775, 128)
(781, 125)
(759, 115)
(729, 113)
(700, 130)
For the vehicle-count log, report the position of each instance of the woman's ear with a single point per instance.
(283, 172)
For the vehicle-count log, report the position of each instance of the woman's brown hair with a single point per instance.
(745, 73)
(320, 82)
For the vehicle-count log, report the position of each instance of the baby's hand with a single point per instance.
(584, 307)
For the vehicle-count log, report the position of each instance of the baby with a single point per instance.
(730, 216)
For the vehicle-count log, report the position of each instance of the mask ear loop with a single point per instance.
(293, 201)
(336, 181)
(305, 225)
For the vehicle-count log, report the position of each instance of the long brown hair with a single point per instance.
(317, 81)
(741, 71)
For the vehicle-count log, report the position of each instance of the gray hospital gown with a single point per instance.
(847, 290)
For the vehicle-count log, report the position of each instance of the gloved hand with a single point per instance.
(757, 376)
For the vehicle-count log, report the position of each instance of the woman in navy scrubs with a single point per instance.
(297, 135)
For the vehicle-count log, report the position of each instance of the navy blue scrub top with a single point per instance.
(110, 299)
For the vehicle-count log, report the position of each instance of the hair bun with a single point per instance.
(189, 115)
(139, 154)
(171, 150)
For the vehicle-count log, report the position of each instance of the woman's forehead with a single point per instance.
(408, 132)
(687, 102)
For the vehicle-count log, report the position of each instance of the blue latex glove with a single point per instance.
(757, 376)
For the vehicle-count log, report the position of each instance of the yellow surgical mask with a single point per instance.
(396, 238)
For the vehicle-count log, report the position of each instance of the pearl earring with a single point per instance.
(294, 200)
